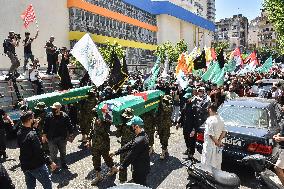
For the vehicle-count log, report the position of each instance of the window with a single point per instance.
(244, 116)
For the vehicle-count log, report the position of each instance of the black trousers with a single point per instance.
(51, 60)
(2, 141)
(139, 178)
(189, 142)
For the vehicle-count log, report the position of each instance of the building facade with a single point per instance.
(233, 30)
(261, 32)
(253, 34)
(138, 25)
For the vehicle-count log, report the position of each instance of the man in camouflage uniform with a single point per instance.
(149, 127)
(40, 113)
(126, 135)
(86, 115)
(101, 147)
(164, 123)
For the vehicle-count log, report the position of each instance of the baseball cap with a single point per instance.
(136, 120)
(187, 95)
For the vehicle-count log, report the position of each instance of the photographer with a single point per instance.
(51, 56)
(28, 54)
(35, 78)
(10, 45)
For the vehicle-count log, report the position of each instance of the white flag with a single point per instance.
(87, 53)
(182, 80)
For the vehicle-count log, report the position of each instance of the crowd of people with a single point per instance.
(42, 134)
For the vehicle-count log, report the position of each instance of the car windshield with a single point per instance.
(244, 116)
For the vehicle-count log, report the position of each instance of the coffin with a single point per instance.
(140, 102)
(64, 97)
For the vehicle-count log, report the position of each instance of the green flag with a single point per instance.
(266, 66)
(151, 81)
(220, 78)
(231, 65)
(214, 76)
(209, 71)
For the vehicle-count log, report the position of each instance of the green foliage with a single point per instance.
(264, 53)
(106, 51)
(220, 45)
(171, 51)
(275, 10)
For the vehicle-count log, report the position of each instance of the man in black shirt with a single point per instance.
(51, 56)
(279, 166)
(5, 180)
(57, 127)
(32, 158)
(28, 54)
(138, 152)
(3, 117)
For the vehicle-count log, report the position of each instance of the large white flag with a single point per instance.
(87, 53)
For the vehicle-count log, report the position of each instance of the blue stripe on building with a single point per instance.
(166, 7)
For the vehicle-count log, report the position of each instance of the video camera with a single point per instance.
(17, 36)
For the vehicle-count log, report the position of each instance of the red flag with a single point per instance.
(237, 53)
(252, 58)
(28, 16)
(213, 54)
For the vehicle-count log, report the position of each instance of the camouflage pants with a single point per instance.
(97, 154)
(164, 135)
(150, 131)
(85, 126)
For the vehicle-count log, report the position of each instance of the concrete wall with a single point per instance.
(173, 30)
(169, 29)
(53, 19)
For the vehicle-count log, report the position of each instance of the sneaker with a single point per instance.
(64, 166)
(185, 153)
(98, 179)
(16, 74)
(112, 171)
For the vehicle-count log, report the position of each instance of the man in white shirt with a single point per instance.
(230, 94)
(35, 78)
(213, 135)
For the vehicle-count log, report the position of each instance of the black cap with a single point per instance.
(27, 33)
(26, 115)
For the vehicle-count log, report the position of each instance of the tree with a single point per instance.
(220, 45)
(171, 51)
(275, 11)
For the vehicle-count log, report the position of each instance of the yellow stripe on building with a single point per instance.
(77, 35)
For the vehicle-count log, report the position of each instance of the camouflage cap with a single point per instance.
(40, 105)
(128, 113)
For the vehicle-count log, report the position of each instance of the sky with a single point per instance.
(228, 8)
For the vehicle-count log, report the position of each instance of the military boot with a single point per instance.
(112, 171)
(163, 154)
(151, 150)
(97, 179)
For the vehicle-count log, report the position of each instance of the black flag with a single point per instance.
(124, 66)
(221, 59)
(117, 76)
(200, 61)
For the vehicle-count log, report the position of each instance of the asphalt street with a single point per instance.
(165, 174)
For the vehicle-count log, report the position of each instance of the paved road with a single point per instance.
(166, 174)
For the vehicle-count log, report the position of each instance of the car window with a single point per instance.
(244, 116)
